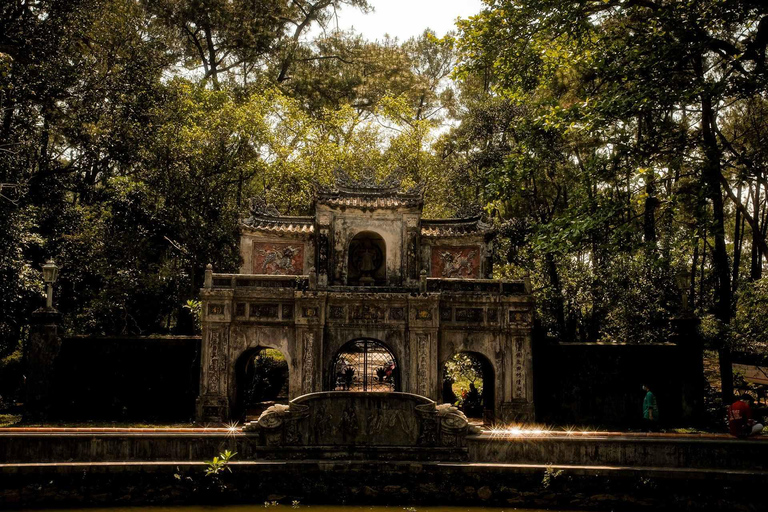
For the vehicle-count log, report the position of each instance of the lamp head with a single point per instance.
(50, 272)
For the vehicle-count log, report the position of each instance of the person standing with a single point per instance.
(650, 410)
(740, 422)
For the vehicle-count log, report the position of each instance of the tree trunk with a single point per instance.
(756, 268)
(738, 238)
(711, 176)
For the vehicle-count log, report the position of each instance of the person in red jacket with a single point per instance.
(740, 420)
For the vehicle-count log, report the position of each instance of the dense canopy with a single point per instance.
(619, 146)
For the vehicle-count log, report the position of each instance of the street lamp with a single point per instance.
(50, 274)
(683, 282)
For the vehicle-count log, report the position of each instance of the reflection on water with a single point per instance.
(269, 507)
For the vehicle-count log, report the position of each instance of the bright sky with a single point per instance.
(407, 18)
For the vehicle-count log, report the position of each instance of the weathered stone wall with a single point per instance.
(142, 378)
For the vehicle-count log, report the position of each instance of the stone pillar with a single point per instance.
(423, 325)
(518, 369)
(310, 322)
(40, 354)
(213, 404)
(685, 331)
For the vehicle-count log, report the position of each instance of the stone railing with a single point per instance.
(246, 281)
(476, 285)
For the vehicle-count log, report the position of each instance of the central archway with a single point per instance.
(365, 364)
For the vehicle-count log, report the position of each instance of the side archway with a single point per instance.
(261, 380)
(364, 364)
(468, 382)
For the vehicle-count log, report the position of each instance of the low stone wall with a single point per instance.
(154, 378)
(629, 451)
(195, 445)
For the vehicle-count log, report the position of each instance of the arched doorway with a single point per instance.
(261, 381)
(468, 380)
(365, 365)
(367, 260)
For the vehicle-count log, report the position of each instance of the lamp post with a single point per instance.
(683, 282)
(50, 274)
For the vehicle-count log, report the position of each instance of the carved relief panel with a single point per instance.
(456, 261)
(217, 363)
(285, 259)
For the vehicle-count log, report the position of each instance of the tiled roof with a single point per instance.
(282, 224)
(454, 227)
(373, 197)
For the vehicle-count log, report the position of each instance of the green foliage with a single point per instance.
(219, 464)
(600, 138)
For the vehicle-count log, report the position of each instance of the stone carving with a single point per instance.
(310, 312)
(337, 312)
(519, 382)
(469, 315)
(517, 317)
(493, 315)
(397, 314)
(263, 311)
(260, 207)
(455, 262)
(278, 258)
(413, 255)
(424, 314)
(367, 312)
(287, 311)
(309, 361)
(422, 341)
(322, 253)
(215, 309)
(361, 420)
(445, 314)
(216, 363)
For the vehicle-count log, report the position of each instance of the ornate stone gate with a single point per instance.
(366, 266)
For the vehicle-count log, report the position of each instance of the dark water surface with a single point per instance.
(268, 507)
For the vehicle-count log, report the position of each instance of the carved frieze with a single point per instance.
(287, 311)
(445, 314)
(424, 314)
(336, 312)
(422, 370)
(367, 312)
(397, 314)
(322, 253)
(309, 361)
(216, 361)
(278, 258)
(519, 370)
(215, 309)
(519, 317)
(469, 314)
(310, 312)
(455, 262)
(263, 311)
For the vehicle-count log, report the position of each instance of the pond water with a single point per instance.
(267, 507)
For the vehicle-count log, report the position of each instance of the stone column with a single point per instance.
(310, 322)
(40, 353)
(685, 335)
(213, 404)
(423, 327)
(518, 369)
